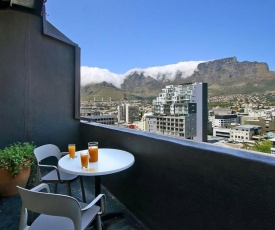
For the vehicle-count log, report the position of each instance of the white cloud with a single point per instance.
(170, 71)
(97, 75)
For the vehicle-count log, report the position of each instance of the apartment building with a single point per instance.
(180, 111)
(184, 126)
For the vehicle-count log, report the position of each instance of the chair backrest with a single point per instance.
(45, 151)
(51, 204)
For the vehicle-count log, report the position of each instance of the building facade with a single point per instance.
(106, 119)
(244, 133)
(225, 121)
(266, 122)
(221, 132)
(180, 111)
(128, 113)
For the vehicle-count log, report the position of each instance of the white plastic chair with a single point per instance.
(58, 211)
(55, 176)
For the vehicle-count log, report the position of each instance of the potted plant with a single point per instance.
(15, 165)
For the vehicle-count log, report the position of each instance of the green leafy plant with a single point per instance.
(17, 156)
(263, 146)
(259, 146)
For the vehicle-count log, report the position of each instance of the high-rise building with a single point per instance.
(181, 111)
(128, 113)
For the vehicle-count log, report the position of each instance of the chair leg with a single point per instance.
(98, 222)
(69, 192)
(82, 189)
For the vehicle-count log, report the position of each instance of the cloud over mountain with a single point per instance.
(223, 76)
(169, 71)
(97, 75)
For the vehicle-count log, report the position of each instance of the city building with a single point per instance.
(225, 121)
(91, 115)
(180, 111)
(142, 123)
(220, 111)
(184, 126)
(106, 119)
(267, 122)
(128, 113)
(221, 132)
(244, 133)
(89, 112)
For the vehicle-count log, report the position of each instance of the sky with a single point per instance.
(121, 35)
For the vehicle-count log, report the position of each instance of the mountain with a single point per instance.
(101, 90)
(224, 76)
(228, 76)
(139, 84)
(106, 91)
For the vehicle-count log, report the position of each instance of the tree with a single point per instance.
(263, 146)
(259, 146)
(245, 145)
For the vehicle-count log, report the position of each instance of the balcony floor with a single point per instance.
(10, 208)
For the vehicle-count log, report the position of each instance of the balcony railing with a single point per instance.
(182, 184)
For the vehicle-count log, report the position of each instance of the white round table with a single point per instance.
(109, 161)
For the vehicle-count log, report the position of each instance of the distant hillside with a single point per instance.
(224, 76)
(106, 91)
(102, 90)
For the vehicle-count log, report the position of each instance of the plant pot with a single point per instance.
(8, 182)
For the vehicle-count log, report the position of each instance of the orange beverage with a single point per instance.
(84, 157)
(93, 152)
(71, 149)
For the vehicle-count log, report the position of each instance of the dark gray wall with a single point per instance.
(37, 83)
(182, 184)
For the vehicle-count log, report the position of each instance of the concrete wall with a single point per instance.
(182, 184)
(37, 83)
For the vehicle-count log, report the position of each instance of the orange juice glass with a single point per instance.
(93, 151)
(84, 157)
(71, 149)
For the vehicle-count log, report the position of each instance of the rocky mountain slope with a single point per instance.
(228, 76)
(224, 76)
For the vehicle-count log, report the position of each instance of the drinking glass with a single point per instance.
(71, 149)
(93, 151)
(84, 157)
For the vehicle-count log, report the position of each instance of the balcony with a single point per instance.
(173, 184)
(182, 184)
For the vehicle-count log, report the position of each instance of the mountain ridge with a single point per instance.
(224, 76)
